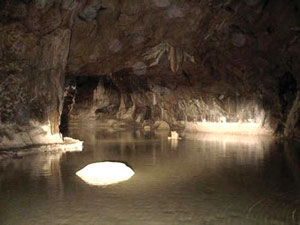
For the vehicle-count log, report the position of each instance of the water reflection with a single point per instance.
(34, 169)
(245, 149)
(203, 179)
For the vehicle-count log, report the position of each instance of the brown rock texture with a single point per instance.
(31, 82)
(213, 59)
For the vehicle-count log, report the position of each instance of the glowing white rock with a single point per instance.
(174, 136)
(105, 173)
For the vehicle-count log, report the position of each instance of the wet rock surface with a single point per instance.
(31, 78)
(149, 103)
(172, 107)
(157, 61)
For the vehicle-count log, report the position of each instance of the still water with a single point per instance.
(202, 179)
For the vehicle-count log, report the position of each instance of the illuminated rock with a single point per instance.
(105, 173)
(39, 138)
(147, 128)
(248, 128)
(174, 136)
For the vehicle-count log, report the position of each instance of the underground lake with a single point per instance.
(201, 179)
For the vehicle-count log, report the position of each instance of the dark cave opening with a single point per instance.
(77, 90)
(84, 96)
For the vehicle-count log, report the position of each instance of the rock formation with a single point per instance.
(169, 60)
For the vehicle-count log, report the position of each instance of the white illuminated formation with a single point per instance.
(174, 136)
(248, 128)
(174, 139)
(105, 173)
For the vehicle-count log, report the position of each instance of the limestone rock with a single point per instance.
(162, 125)
(32, 75)
(167, 60)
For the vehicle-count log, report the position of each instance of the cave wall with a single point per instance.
(32, 70)
(248, 49)
(179, 60)
(133, 98)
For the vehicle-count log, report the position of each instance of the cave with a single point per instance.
(198, 99)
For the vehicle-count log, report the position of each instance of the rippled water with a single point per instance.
(202, 179)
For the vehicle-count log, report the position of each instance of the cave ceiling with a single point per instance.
(235, 45)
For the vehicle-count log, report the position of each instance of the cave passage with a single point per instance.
(124, 100)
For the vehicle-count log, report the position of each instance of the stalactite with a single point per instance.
(176, 56)
(172, 59)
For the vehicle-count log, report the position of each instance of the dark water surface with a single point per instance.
(202, 179)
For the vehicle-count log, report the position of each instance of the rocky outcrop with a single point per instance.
(32, 71)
